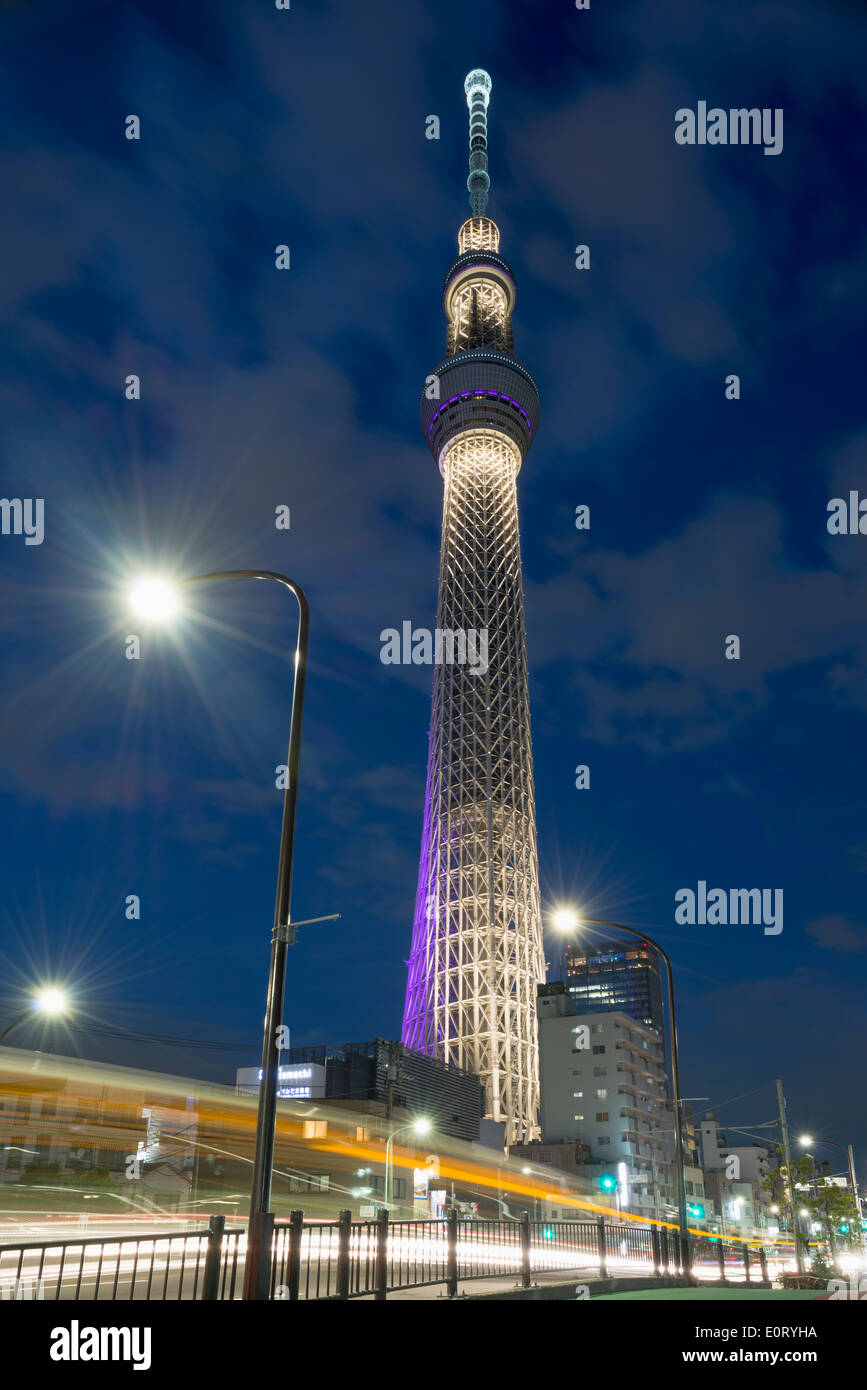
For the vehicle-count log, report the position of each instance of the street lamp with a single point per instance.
(50, 1001)
(565, 920)
(156, 598)
(420, 1127)
(536, 1206)
(807, 1141)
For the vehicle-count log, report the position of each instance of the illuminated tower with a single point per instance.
(477, 938)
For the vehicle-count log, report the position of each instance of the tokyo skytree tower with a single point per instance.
(477, 952)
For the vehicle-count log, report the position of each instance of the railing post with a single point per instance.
(344, 1231)
(525, 1250)
(746, 1263)
(656, 1253)
(721, 1259)
(381, 1269)
(663, 1248)
(211, 1280)
(685, 1247)
(602, 1246)
(266, 1254)
(763, 1261)
(452, 1253)
(293, 1254)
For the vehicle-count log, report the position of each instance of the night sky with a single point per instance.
(264, 388)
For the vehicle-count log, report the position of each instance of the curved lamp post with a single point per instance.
(567, 920)
(48, 1001)
(155, 598)
(419, 1127)
(806, 1140)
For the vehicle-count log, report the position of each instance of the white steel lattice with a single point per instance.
(477, 954)
(479, 234)
(480, 317)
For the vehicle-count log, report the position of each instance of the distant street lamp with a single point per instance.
(420, 1127)
(51, 1001)
(158, 599)
(807, 1141)
(566, 920)
(536, 1205)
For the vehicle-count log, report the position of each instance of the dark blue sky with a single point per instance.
(262, 388)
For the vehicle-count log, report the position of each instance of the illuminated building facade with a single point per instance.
(476, 956)
(611, 975)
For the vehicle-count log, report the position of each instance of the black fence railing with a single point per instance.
(163, 1267)
(355, 1259)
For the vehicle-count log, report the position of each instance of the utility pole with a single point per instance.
(856, 1200)
(392, 1075)
(787, 1156)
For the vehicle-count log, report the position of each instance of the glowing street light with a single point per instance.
(566, 920)
(806, 1141)
(421, 1127)
(50, 1001)
(157, 598)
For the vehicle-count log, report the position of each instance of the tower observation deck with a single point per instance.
(477, 956)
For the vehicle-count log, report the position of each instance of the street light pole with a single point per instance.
(48, 1001)
(256, 1272)
(850, 1159)
(421, 1127)
(675, 1079)
(17, 1019)
(790, 1181)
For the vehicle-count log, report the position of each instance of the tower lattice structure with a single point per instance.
(477, 954)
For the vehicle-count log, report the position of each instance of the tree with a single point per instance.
(827, 1205)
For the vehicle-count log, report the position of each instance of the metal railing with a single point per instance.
(345, 1259)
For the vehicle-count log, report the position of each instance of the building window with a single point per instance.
(600, 1071)
(314, 1129)
(603, 1139)
(598, 1049)
(578, 1117)
(577, 1095)
(602, 1093)
(601, 1115)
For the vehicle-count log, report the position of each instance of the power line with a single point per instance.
(161, 1038)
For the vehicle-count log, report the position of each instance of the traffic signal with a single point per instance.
(607, 1183)
(843, 1228)
(864, 1225)
(695, 1209)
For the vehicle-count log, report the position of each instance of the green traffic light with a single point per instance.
(608, 1183)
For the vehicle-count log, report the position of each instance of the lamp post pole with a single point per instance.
(388, 1143)
(8, 1029)
(256, 1270)
(850, 1159)
(675, 1080)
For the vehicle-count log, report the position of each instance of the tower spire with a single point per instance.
(477, 85)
